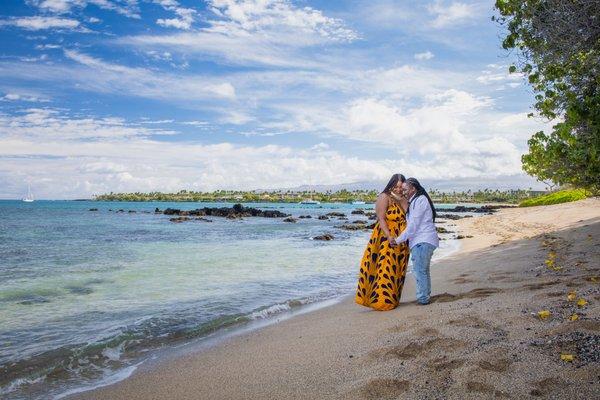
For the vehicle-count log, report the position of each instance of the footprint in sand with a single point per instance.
(495, 365)
(473, 294)
(442, 364)
(469, 321)
(460, 281)
(541, 285)
(414, 349)
(546, 386)
(428, 332)
(381, 388)
(484, 388)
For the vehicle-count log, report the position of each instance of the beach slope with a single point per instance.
(482, 336)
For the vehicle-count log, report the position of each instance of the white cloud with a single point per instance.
(266, 32)
(320, 146)
(450, 15)
(499, 76)
(23, 97)
(69, 164)
(147, 83)
(48, 124)
(40, 23)
(128, 8)
(427, 55)
(186, 15)
(47, 46)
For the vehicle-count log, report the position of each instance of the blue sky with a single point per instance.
(141, 95)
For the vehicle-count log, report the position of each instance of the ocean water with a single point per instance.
(86, 296)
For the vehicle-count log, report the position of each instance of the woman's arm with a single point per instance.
(381, 206)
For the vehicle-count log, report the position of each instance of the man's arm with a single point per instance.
(417, 212)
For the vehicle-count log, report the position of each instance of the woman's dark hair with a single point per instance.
(421, 192)
(393, 181)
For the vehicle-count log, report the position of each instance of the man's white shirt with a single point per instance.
(419, 224)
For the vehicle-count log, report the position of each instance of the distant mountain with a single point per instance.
(445, 185)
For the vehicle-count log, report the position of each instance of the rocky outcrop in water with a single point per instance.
(453, 216)
(486, 208)
(325, 237)
(355, 227)
(235, 212)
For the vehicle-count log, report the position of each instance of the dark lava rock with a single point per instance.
(304, 216)
(179, 219)
(459, 237)
(335, 214)
(290, 219)
(157, 210)
(489, 209)
(441, 229)
(360, 211)
(202, 219)
(326, 236)
(235, 212)
(93, 209)
(452, 216)
(323, 217)
(354, 227)
(359, 221)
(131, 211)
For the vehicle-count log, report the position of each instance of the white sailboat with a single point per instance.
(29, 198)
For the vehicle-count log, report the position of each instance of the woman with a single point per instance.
(383, 266)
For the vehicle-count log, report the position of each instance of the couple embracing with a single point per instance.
(405, 227)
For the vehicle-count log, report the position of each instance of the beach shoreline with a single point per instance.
(345, 351)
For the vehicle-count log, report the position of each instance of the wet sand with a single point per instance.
(480, 338)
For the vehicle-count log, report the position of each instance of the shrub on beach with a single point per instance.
(562, 196)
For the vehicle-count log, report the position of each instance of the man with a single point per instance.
(421, 235)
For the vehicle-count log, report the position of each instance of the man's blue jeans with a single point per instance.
(421, 257)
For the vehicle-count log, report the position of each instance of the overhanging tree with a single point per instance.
(558, 47)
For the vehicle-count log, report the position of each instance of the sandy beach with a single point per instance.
(481, 337)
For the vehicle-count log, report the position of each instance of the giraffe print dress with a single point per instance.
(383, 268)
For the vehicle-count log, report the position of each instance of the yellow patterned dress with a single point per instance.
(383, 268)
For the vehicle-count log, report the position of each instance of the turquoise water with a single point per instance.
(84, 294)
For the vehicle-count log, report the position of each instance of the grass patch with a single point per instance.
(563, 196)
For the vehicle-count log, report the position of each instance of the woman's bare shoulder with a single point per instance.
(383, 195)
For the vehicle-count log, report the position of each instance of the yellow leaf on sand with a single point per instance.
(567, 357)
(551, 254)
(574, 317)
(549, 262)
(543, 314)
(572, 296)
(582, 302)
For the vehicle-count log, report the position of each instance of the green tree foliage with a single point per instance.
(340, 196)
(558, 46)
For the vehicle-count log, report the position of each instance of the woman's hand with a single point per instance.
(392, 241)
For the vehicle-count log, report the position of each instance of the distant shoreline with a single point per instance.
(340, 196)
